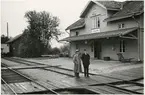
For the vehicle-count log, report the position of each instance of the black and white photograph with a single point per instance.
(72, 47)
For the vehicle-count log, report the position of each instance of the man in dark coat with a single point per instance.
(86, 62)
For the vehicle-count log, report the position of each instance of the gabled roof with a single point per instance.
(99, 35)
(78, 24)
(130, 8)
(109, 5)
(14, 39)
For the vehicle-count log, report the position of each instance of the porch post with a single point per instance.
(138, 33)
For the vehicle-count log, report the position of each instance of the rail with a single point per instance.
(110, 85)
(54, 92)
(9, 86)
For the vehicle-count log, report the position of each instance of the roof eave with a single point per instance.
(79, 27)
(82, 26)
(113, 9)
(65, 39)
(122, 17)
(84, 37)
(14, 39)
(116, 18)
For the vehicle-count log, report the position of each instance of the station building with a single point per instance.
(106, 28)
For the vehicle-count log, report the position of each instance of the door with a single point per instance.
(97, 50)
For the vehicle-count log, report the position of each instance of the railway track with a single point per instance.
(56, 69)
(10, 77)
(131, 87)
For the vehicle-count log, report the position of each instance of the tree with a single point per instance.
(42, 27)
(65, 48)
(4, 39)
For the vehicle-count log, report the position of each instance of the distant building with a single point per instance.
(14, 44)
(4, 48)
(106, 28)
(4, 45)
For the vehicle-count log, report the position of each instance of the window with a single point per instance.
(123, 25)
(120, 26)
(95, 22)
(77, 33)
(122, 46)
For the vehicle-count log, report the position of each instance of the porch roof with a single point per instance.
(106, 34)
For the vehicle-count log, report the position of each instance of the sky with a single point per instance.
(13, 11)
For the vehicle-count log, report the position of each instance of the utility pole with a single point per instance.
(7, 30)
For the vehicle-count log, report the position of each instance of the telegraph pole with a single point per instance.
(7, 30)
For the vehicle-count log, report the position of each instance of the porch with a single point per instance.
(100, 48)
(107, 44)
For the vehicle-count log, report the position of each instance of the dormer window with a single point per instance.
(95, 22)
(77, 33)
(121, 26)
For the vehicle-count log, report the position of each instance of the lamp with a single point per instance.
(86, 42)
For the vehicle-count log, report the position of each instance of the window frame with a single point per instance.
(121, 26)
(96, 21)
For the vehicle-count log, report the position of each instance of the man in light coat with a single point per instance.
(77, 63)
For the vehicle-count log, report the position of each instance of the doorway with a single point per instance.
(97, 49)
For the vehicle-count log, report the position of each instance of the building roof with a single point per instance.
(78, 24)
(109, 5)
(130, 8)
(14, 39)
(106, 34)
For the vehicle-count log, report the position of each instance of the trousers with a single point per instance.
(86, 71)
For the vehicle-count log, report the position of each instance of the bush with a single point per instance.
(55, 50)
